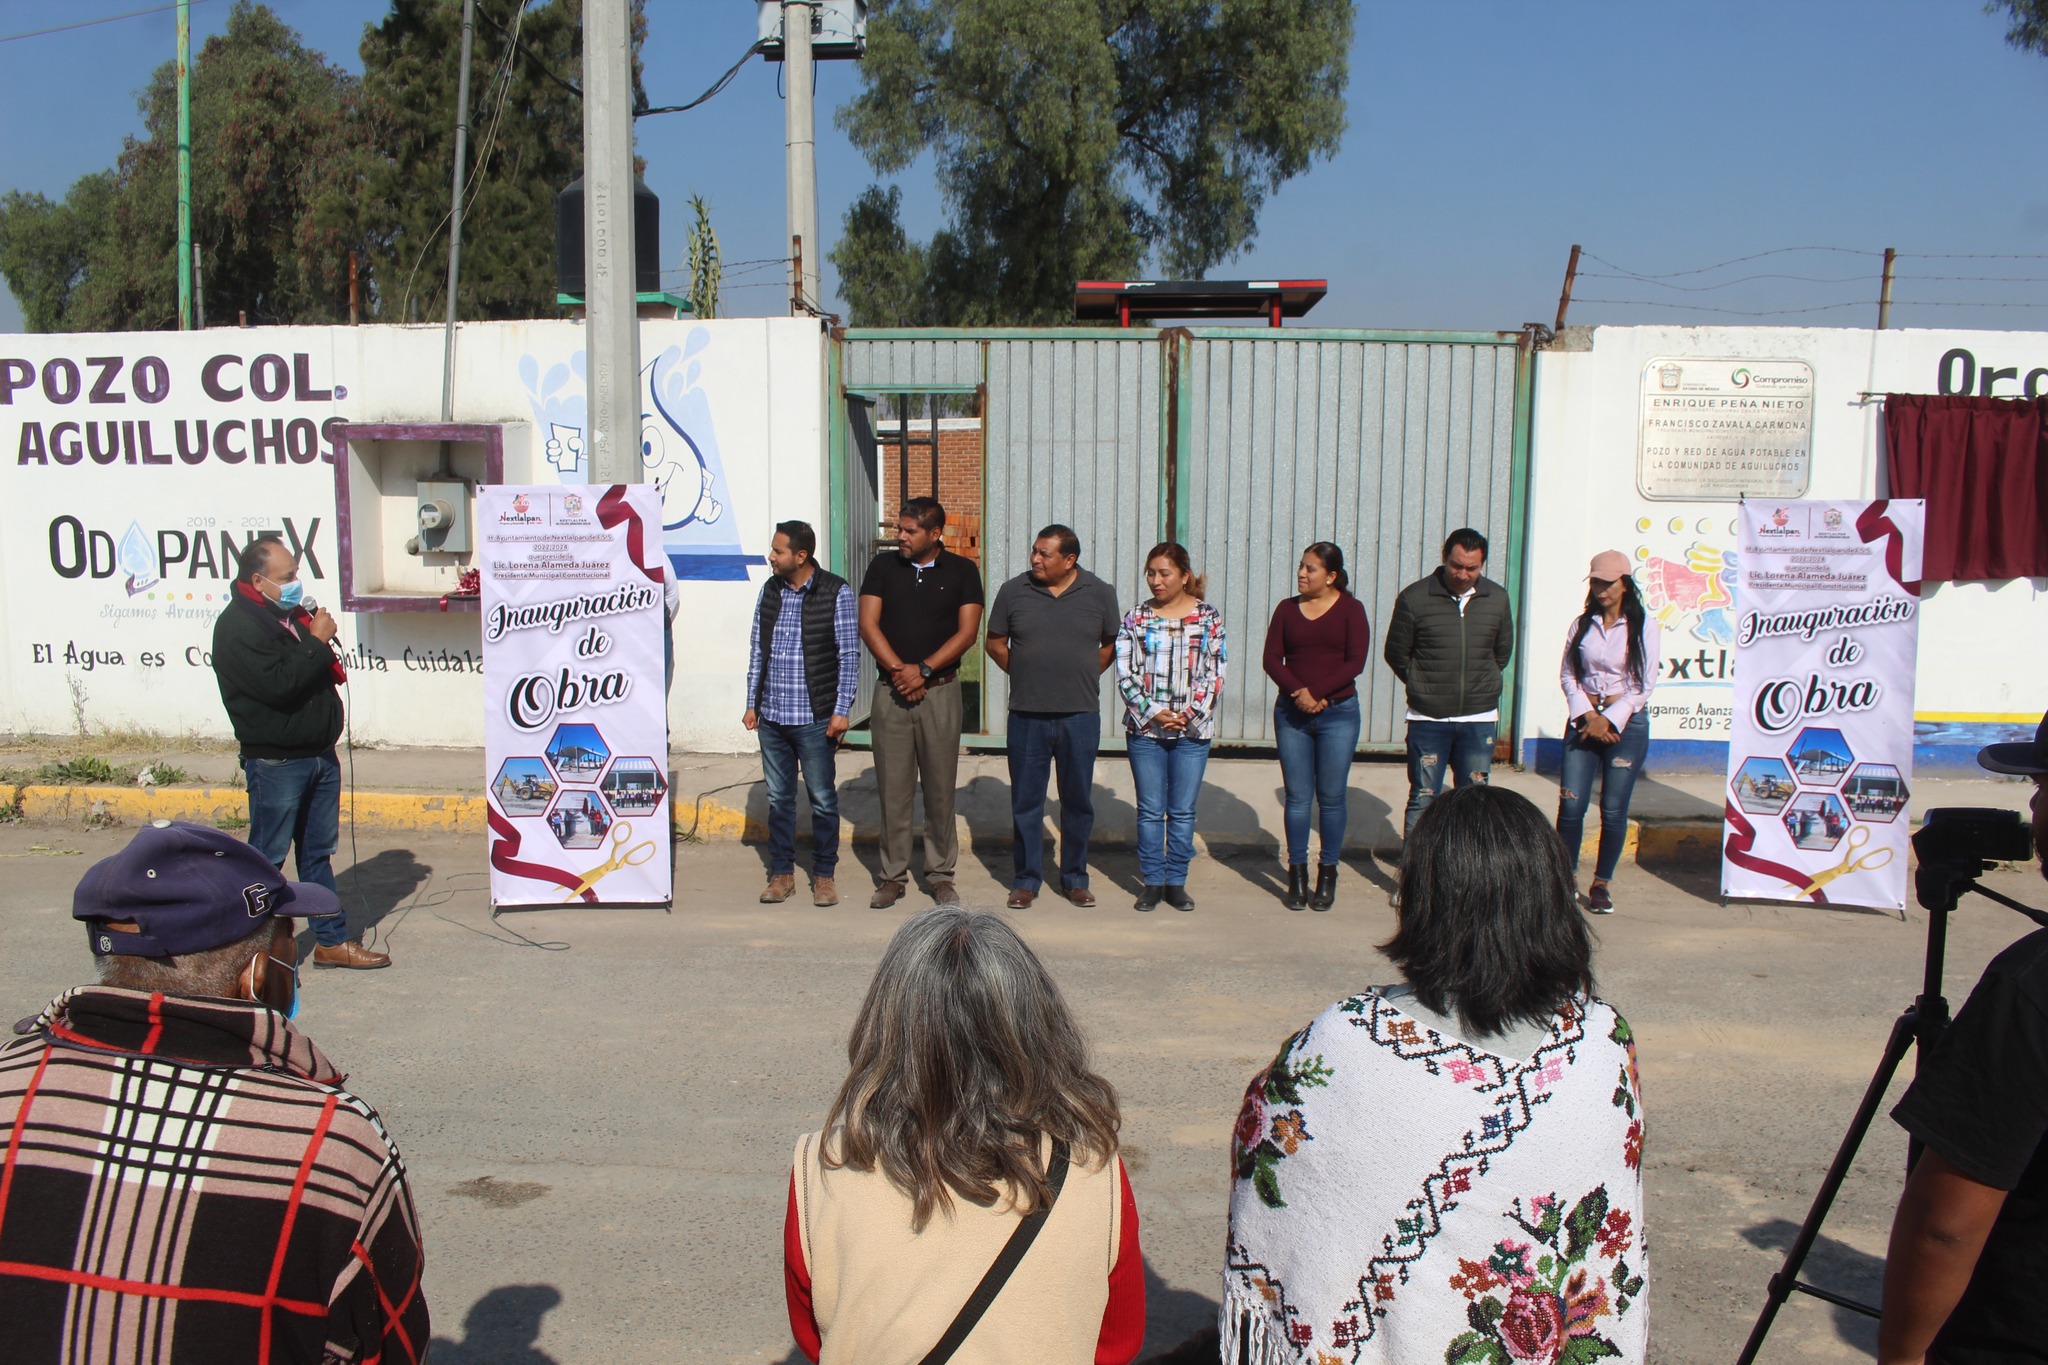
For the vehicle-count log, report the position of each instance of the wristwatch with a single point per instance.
(924, 670)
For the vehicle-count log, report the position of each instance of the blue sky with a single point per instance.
(1485, 137)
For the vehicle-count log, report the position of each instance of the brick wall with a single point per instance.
(959, 488)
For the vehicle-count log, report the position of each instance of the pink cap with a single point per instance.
(1609, 565)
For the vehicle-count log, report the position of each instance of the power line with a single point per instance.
(528, 52)
(720, 84)
(88, 23)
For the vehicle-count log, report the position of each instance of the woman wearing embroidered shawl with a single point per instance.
(1451, 1168)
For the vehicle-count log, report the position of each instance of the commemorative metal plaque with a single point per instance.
(1716, 430)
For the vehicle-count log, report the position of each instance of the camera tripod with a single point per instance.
(1939, 887)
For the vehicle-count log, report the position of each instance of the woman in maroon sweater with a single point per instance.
(1316, 647)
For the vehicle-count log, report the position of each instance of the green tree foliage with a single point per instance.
(270, 119)
(526, 145)
(46, 248)
(1079, 139)
(2027, 26)
(295, 163)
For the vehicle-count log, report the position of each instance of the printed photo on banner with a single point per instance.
(1820, 762)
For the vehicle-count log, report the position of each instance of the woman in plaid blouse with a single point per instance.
(1170, 657)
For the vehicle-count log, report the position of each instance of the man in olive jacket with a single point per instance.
(1451, 636)
(279, 679)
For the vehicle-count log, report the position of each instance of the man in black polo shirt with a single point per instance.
(1053, 630)
(1966, 1279)
(920, 611)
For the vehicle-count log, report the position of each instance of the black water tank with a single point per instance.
(569, 239)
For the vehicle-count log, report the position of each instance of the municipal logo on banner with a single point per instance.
(1820, 760)
(576, 727)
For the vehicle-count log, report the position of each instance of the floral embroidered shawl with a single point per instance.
(1401, 1196)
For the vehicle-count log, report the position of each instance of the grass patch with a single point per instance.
(163, 774)
(231, 822)
(88, 771)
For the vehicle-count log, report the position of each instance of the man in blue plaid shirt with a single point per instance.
(803, 666)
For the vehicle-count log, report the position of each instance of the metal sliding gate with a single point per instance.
(1246, 445)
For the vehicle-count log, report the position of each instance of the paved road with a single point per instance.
(599, 1127)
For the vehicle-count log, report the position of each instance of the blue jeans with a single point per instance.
(1168, 776)
(1464, 749)
(297, 801)
(785, 748)
(1038, 740)
(1617, 766)
(1315, 764)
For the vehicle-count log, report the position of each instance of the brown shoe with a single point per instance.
(350, 954)
(1021, 897)
(886, 895)
(944, 892)
(1079, 895)
(823, 891)
(780, 888)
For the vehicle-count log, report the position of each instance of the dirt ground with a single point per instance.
(598, 1106)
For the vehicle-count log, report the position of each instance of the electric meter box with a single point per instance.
(405, 496)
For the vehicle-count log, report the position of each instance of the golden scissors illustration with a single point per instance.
(1858, 837)
(631, 857)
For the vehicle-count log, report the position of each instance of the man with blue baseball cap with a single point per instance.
(184, 1176)
(1966, 1279)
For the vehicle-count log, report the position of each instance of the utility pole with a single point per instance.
(1884, 293)
(611, 323)
(184, 164)
(800, 154)
(455, 211)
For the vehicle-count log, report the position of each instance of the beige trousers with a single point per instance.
(917, 744)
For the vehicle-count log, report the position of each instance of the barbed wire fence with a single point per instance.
(1889, 284)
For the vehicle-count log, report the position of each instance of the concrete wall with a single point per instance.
(1981, 674)
(141, 460)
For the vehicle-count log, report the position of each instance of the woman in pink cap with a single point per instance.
(1610, 667)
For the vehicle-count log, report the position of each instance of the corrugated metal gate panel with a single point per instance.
(892, 363)
(1073, 437)
(863, 502)
(1383, 447)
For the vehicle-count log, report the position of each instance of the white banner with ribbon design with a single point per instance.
(576, 734)
(1820, 764)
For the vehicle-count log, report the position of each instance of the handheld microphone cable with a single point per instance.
(348, 726)
(372, 937)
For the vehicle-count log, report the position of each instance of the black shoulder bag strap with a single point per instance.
(1005, 1263)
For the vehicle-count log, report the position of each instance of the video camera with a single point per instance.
(1956, 844)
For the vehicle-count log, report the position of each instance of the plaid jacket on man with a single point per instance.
(185, 1180)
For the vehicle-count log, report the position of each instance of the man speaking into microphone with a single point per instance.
(279, 677)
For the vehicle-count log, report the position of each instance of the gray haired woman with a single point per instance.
(968, 1122)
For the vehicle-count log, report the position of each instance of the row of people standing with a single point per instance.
(1056, 628)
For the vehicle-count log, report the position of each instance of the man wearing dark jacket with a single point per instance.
(279, 680)
(1450, 637)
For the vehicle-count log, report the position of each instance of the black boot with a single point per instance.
(1177, 896)
(1297, 886)
(1326, 888)
(1148, 897)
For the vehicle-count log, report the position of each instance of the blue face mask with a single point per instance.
(290, 594)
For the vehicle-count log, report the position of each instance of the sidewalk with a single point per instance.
(1675, 819)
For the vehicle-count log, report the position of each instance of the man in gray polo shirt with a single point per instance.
(1053, 630)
